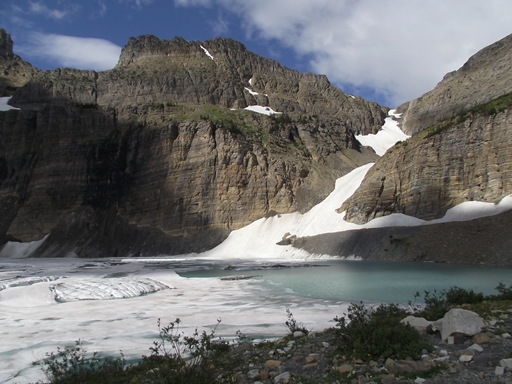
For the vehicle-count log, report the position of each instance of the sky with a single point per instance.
(385, 51)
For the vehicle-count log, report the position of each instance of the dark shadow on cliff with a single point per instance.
(485, 241)
(65, 167)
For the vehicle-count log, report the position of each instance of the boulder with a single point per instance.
(418, 323)
(282, 378)
(459, 320)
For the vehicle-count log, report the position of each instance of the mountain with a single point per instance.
(460, 151)
(159, 155)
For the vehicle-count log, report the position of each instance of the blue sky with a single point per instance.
(386, 51)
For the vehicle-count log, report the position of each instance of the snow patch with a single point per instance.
(385, 138)
(251, 91)
(263, 110)
(4, 106)
(106, 289)
(16, 250)
(206, 51)
(259, 239)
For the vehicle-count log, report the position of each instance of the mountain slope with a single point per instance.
(151, 158)
(461, 149)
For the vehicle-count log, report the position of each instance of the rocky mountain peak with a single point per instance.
(5, 44)
(484, 77)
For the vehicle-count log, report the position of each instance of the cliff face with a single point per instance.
(434, 171)
(484, 77)
(460, 150)
(150, 158)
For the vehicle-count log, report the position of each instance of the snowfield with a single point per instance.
(263, 110)
(3, 104)
(385, 138)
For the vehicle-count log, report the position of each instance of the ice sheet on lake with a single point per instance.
(106, 289)
(24, 281)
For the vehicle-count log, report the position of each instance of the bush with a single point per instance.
(177, 358)
(292, 325)
(71, 365)
(437, 304)
(377, 332)
(174, 359)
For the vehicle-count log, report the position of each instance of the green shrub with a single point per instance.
(292, 324)
(71, 365)
(459, 296)
(175, 359)
(372, 333)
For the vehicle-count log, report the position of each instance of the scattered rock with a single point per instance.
(282, 378)
(459, 320)
(345, 368)
(481, 338)
(418, 323)
(272, 363)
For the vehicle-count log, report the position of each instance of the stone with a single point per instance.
(311, 358)
(388, 379)
(253, 373)
(407, 366)
(298, 334)
(465, 358)
(309, 366)
(345, 368)
(418, 323)
(476, 347)
(282, 378)
(419, 380)
(264, 375)
(499, 371)
(506, 363)
(481, 338)
(272, 363)
(325, 344)
(462, 321)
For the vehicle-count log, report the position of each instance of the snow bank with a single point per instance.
(263, 110)
(4, 106)
(259, 239)
(385, 138)
(13, 249)
(206, 51)
(251, 91)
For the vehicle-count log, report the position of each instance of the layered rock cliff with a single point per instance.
(484, 77)
(461, 149)
(158, 156)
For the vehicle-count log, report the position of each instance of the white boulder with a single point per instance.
(459, 320)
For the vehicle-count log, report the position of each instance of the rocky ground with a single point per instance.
(313, 359)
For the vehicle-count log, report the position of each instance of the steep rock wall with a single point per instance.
(484, 77)
(438, 169)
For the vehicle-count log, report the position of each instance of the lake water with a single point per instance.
(368, 281)
(33, 321)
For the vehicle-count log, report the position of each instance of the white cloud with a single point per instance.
(74, 52)
(400, 49)
(40, 8)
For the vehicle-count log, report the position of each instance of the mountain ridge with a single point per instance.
(152, 149)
